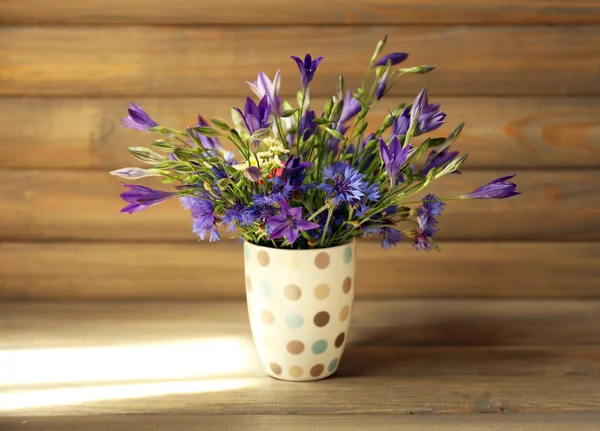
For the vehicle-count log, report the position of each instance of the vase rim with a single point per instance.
(353, 242)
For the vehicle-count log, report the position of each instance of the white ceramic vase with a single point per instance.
(300, 304)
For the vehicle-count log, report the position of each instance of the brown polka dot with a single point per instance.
(275, 368)
(292, 292)
(322, 291)
(295, 371)
(340, 340)
(347, 285)
(295, 347)
(317, 370)
(322, 260)
(267, 317)
(263, 258)
(344, 312)
(321, 318)
(248, 284)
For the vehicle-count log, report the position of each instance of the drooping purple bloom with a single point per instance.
(140, 198)
(394, 57)
(263, 86)
(389, 235)
(138, 119)
(208, 143)
(256, 116)
(204, 219)
(393, 157)
(437, 160)
(431, 208)
(307, 125)
(289, 223)
(422, 240)
(307, 68)
(346, 183)
(351, 107)
(382, 85)
(500, 188)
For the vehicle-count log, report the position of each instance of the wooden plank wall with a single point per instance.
(524, 75)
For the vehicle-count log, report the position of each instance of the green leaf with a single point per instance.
(207, 131)
(334, 133)
(288, 113)
(220, 124)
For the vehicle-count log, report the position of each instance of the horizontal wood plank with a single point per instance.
(307, 12)
(500, 132)
(491, 367)
(82, 271)
(66, 205)
(216, 61)
(384, 422)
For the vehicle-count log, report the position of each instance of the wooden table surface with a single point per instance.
(413, 364)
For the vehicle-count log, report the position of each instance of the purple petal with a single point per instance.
(276, 220)
(292, 235)
(306, 225)
(285, 207)
(296, 213)
(279, 231)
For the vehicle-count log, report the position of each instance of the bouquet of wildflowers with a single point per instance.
(303, 178)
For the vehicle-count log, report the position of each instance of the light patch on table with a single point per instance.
(144, 370)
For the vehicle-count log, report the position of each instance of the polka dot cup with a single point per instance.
(299, 303)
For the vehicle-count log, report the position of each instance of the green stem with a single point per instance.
(329, 214)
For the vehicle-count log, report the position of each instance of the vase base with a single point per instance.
(300, 379)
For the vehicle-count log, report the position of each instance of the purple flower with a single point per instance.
(256, 117)
(389, 235)
(307, 125)
(264, 87)
(252, 173)
(138, 119)
(393, 157)
(428, 117)
(395, 57)
(500, 188)
(307, 68)
(382, 85)
(204, 219)
(208, 143)
(431, 208)
(422, 240)
(346, 183)
(141, 198)
(236, 214)
(289, 223)
(350, 109)
(436, 160)
(261, 210)
(401, 124)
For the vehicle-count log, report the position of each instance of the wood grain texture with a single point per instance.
(433, 323)
(501, 132)
(70, 205)
(380, 422)
(492, 367)
(82, 271)
(338, 12)
(215, 61)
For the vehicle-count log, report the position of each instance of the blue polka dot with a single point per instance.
(266, 289)
(332, 365)
(347, 255)
(246, 252)
(319, 347)
(294, 320)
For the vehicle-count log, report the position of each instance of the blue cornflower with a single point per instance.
(346, 183)
(261, 210)
(307, 68)
(431, 208)
(236, 214)
(389, 235)
(137, 118)
(422, 240)
(289, 223)
(204, 219)
(281, 189)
